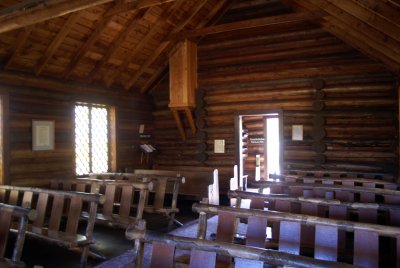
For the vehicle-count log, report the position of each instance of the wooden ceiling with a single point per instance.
(124, 44)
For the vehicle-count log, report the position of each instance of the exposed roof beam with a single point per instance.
(51, 9)
(247, 24)
(154, 29)
(21, 39)
(15, 18)
(115, 45)
(51, 49)
(94, 35)
(354, 32)
(163, 45)
(28, 80)
(212, 17)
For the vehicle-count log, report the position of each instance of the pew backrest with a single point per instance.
(346, 192)
(198, 184)
(292, 228)
(205, 253)
(119, 197)
(53, 208)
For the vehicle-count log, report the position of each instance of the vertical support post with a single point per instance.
(398, 104)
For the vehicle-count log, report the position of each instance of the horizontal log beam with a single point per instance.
(248, 24)
(52, 9)
(16, 17)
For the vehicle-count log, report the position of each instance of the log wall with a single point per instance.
(346, 102)
(35, 168)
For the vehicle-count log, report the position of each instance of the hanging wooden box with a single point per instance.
(183, 75)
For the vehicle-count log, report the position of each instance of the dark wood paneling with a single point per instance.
(27, 167)
(271, 70)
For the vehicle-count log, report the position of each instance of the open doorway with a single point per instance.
(259, 143)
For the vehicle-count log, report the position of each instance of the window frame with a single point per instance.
(110, 136)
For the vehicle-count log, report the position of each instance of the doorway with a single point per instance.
(259, 145)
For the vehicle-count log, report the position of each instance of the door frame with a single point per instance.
(238, 129)
(4, 138)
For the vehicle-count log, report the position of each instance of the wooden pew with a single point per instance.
(162, 185)
(350, 181)
(343, 192)
(340, 174)
(119, 196)
(8, 214)
(203, 253)
(365, 237)
(198, 184)
(363, 212)
(51, 206)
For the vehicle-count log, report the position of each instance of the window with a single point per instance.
(92, 139)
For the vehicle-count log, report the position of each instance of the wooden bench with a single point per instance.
(203, 253)
(198, 185)
(346, 193)
(8, 214)
(363, 212)
(162, 184)
(369, 244)
(51, 206)
(340, 174)
(349, 181)
(119, 196)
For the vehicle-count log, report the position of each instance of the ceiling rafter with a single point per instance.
(193, 11)
(119, 7)
(368, 17)
(247, 24)
(155, 27)
(58, 39)
(94, 35)
(381, 9)
(382, 42)
(355, 32)
(138, 5)
(115, 45)
(21, 39)
(212, 17)
(51, 9)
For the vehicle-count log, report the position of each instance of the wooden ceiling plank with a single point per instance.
(222, 7)
(240, 25)
(21, 39)
(379, 41)
(95, 34)
(128, 6)
(51, 9)
(385, 11)
(192, 12)
(155, 27)
(51, 49)
(368, 17)
(115, 45)
(361, 44)
(340, 30)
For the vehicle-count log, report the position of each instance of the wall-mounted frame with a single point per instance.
(42, 135)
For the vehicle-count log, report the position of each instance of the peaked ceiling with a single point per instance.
(124, 44)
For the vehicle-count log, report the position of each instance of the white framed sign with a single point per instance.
(297, 132)
(42, 135)
(219, 146)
